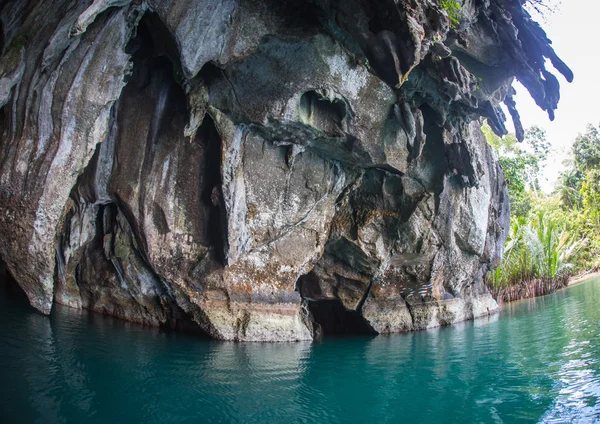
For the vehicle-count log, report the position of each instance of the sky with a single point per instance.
(573, 29)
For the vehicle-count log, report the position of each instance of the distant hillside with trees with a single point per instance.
(552, 236)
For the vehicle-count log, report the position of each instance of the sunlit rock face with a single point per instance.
(264, 170)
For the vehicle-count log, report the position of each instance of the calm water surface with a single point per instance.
(538, 361)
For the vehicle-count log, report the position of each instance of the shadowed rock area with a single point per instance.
(265, 170)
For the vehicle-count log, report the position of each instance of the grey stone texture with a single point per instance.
(260, 170)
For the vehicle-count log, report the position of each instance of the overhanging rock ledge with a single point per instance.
(264, 170)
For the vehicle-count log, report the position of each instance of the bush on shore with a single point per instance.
(536, 259)
(552, 235)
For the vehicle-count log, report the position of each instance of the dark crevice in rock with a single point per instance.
(383, 15)
(2, 39)
(387, 169)
(410, 310)
(154, 40)
(388, 57)
(387, 40)
(300, 16)
(62, 240)
(431, 166)
(212, 199)
(85, 188)
(107, 216)
(3, 128)
(297, 18)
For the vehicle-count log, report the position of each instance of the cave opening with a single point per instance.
(335, 320)
(328, 313)
(181, 322)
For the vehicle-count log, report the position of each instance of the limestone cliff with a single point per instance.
(267, 169)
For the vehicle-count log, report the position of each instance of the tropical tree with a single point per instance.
(586, 149)
(522, 164)
(550, 235)
(568, 188)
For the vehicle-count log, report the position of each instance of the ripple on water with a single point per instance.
(538, 360)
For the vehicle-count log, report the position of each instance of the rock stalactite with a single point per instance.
(265, 170)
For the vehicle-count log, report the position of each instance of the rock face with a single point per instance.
(265, 170)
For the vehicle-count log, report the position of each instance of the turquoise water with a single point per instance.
(538, 361)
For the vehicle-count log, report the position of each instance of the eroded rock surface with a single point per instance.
(264, 170)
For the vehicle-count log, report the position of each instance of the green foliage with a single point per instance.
(586, 149)
(452, 8)
(522, 165)
(540, 248)
(569, 188)
(549, 234)
(579, 192)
